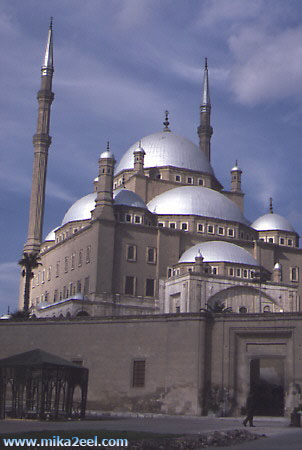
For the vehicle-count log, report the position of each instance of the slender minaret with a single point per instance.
(236, 178)
(205, 130)
(139, 155)
(104, 199)
(41, 142)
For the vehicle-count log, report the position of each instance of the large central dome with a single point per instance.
(167, 149)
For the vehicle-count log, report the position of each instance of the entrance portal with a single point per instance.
(267, 383)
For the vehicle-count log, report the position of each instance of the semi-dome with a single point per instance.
(198, 201)
(81, 209)
(218, 251)
(129, 198)
(51, 235)
(272, 221)
(167, 149)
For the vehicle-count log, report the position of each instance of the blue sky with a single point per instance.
(119, 65)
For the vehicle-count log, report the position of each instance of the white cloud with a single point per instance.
(267, 66)
(215, 11)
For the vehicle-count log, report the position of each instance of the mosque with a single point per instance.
(160, 245)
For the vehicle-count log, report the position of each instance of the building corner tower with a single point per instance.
(205, 130)
(41, 142)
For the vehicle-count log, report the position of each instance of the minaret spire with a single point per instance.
(41, 142)
(205, 130)
(271, 205)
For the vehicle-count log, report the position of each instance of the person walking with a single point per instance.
(250, 408)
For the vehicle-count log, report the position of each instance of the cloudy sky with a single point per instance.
(118, 65)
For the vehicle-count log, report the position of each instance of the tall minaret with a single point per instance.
(205, 130)
(41, 142)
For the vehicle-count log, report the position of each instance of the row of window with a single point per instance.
(201, 228)
(66, 234)
(68, 291)
(130, 286)
(131, 253)
(281, 240)
(133, 218)
(214, 270)
(69, 264)
(178, 178)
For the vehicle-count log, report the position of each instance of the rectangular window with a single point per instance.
(200, 228)
(290, 242)
(43, 276)
(190, 180)
(55, 295)
(172, 225)
(131, 252)
(86, 286)
(49, 273)
(70, 288)
(88, 253)
(139, 373)
(128, 218)
(72, 261)
(129, 285)
(231, 232)
(64, 292)
(245, 273)
(80, 258)
(160, 224)
(150, 284)
(200, 181)
(58, 269)
(231, 271)
(238, 273)
(271, 240)
(221, 231)
(66, 264)
(169, 272)
(79, 286)
(281, 241)
(137, 219)
(210, 229)
(184, 226)
(294, 273)
(177, 178)
(214, 270)
(151, 255)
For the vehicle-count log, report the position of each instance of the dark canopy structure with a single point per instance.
(40, 385)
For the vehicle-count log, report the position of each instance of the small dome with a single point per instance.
(167, 149)
(218, 251)
(51, 235)
(128, 198)
(107, 155)
(81, 209)
(272, 221)
(198, 201)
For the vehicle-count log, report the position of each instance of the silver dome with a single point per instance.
(218, 251)
(81, 209)
(51, 235)
(167, 149)
(128, 198)
(272, 221)
(198, 201)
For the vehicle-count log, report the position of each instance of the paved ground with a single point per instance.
(165, 424)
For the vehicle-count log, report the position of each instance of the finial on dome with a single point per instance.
(51, 20)
(236, 163)
(206, 63)
(47, 65)
(108, 146)
(166, 122)
(271, 205)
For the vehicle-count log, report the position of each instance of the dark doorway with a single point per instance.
(267, 383)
